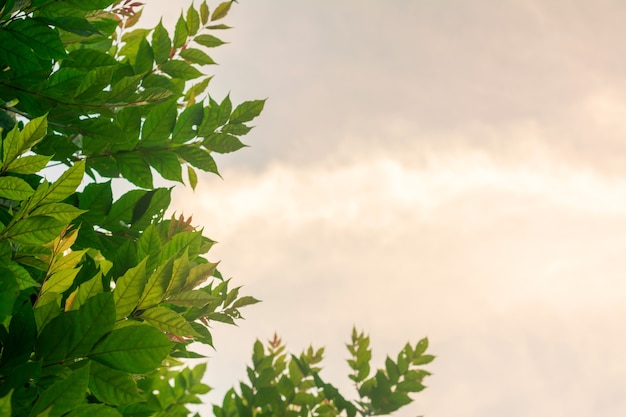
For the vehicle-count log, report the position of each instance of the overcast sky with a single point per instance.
(448, 169)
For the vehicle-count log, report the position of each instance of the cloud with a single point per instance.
(501, 265)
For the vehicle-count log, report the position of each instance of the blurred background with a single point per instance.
(448, 169)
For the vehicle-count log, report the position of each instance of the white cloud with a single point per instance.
(499, 264)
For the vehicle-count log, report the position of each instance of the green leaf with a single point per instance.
(30, 164)
(135, 349)
(87, 290)
(197, 89)
(193, 298)
(197, 157)
(93, 410)
(165, 163)
(180, 32)
(245, 301)
(237, 129)
(154, 290)
(196, 56)
(17, 142)
(43, 40)
(96, 317)
(423, 359)
(5, 405)
(128, 289)
(159, 124)
(14, 188)
(204, 13)
(168, 321)
(144, 58)
(60, 281)
(222, 143)
(22, 277)
(88, 58)
(161, 44)
(420, 347)
(17, 54)
(9, 290)
(18, 345)
(193, 177)
(62, 212)
(35, 230)
(221, 11)
(180, 69)
(64, 395)
(73, 24)
(184, 128)
(247, 111)
(208, 41)
(199, 274)
(112, 386)
(63, 187)
(193, 21)
(135, 169)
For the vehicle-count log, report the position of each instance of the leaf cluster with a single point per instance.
(100, 297)
(282, 385)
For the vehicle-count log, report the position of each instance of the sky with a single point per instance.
(448, 169)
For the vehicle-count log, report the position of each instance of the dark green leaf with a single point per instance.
(135, 169)
(184, 128)
(64, 395)
(161, 44)
(43, 40)
(159, 124)
(222, 143)
(165, 163)
(247, 111)
(197, 157)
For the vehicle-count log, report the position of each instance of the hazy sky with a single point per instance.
(448, 169)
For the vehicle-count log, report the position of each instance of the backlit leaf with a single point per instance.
(136, 349)
(128, 289)
(168, 321)
(14, 188)
(29, 164)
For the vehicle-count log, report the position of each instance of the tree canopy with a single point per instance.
(102, 298)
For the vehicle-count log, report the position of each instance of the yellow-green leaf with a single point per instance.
(14, 188)
(60, 281)
(168, 320)
(221, 11)
(128, 289)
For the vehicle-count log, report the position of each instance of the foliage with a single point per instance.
(101, 298)
(291, 386)
(98, 295)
